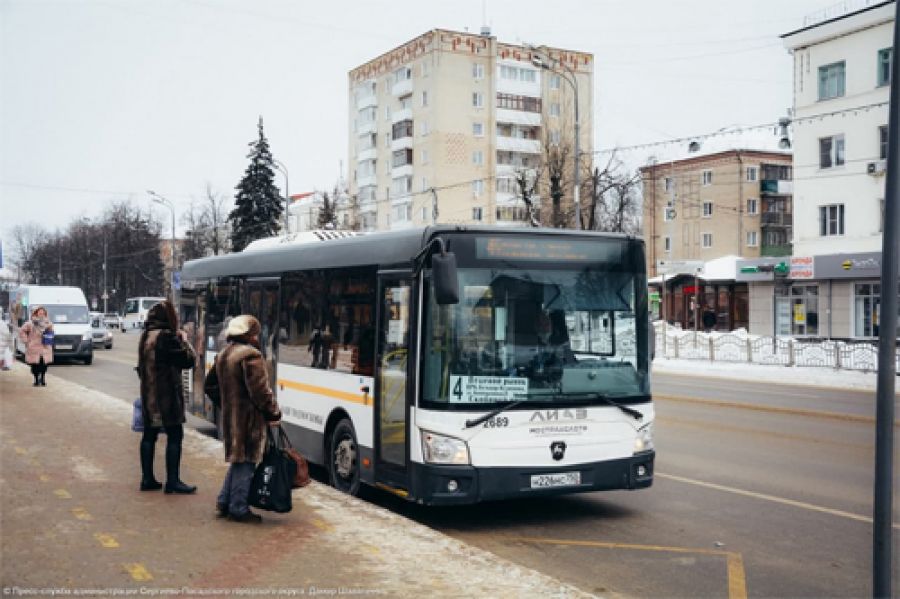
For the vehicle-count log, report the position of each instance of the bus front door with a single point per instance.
(392, 359)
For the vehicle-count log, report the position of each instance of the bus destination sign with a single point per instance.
(546, 249)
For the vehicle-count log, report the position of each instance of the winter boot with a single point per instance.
(148, 481)
(173, 467)
(37, 379)
(43, 380)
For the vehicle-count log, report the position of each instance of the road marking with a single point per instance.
(773, 409)
(138, 572)
(737, 584)
(44, 478)
(321, 524)
(772, 498)
(105, 540)
(21, 450)
(62, 494)
(81, 513)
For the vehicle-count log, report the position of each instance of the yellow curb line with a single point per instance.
(105, 540)
(138, 572)
(737, 585)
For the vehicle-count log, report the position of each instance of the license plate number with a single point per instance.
(63, 347)
(560, 479)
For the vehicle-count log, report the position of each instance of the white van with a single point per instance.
(67, 309)
(136, 309)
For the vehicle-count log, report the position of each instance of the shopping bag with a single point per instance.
(137, 417)
(47, 338)
(271, 486)
(301, 478)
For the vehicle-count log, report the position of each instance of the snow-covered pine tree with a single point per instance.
(258, 203)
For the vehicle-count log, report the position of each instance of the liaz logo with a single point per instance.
(555, 415)
(558, 450)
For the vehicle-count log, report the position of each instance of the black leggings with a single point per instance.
(174, 435)
(39, 368)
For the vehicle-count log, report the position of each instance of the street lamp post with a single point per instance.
(155, 197)
(287, 196)
(544, 61)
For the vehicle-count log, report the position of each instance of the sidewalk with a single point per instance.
(73, 520)
(763, 373)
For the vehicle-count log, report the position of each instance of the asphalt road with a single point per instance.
(761, 490)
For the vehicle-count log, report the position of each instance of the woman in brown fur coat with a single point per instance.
(163, 352)
(240, 383)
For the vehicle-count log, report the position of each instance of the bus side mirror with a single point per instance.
(446, 285)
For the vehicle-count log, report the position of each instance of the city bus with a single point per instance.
(446, 364)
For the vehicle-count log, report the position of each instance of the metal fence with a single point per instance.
(672, 342)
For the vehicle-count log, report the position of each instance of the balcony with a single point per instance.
(404, 143)
(515, 144)
(366, 127)
(402, 88)
(365, 180)
(776, 219)
(404, 114)
(367, 154)
(404, 170)
(366, 101)
(518, 117)
(775, 250)
(776, 187)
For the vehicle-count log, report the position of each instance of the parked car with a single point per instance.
(114, 321)
(100, 335)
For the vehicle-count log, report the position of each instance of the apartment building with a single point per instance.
(440, 127)
(734, 201)
(831, 288)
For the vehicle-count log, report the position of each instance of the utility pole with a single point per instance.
(434, 206)
(105, 294)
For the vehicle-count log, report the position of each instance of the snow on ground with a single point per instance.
(789, 375)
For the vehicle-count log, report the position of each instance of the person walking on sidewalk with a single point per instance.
(37, 354)
(6, 356)
(239, 384)
(163, 352)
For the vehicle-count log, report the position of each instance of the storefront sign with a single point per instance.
(802, 267)
(849, 266)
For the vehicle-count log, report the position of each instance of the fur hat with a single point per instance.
(243, 326)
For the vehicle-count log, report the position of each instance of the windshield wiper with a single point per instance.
(492, 413)
(605, 399)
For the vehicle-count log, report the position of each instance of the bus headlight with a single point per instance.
(439, 449)
(644, 439)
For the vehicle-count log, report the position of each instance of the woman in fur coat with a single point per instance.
(239, 384)
(163, 352)
(37, 354)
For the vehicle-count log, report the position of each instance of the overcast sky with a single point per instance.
(102, 100)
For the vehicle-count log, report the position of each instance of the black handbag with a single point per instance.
(271, 486)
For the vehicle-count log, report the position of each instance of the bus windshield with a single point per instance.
(560, 335)
(67, 314)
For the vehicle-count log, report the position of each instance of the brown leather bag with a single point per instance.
(301, 479)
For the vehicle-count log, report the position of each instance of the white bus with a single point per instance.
(136, 309)
(447, 365)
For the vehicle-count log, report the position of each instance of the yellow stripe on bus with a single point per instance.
(355, 398)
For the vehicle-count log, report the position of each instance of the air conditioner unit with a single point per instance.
(876, 168)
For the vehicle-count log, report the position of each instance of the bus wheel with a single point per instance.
(343, 467)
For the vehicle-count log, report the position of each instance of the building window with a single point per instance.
(518, 74)
(478, 129)
(831, 151)
(667, 243)
(387, 113)
(424, 184)
(424, 69)
(752, 206)
(477, 187)
(706, 240)
(402, 129)
(555, 81)
(831, 80)
(424, 99)
(424, 156)
(670, 184)
(752, 239)
(881, 222)
(423, 128)
(884, 66)
(882, 142)
(406, 102)
(804, 311)
(554, 136)
(752, 173)
(477, 70)
(707, 177)
(402, 157)
(400, 187)
(476, 214)
(554, 109)
(477, 99)
(402, 74)
(831, 220)
(478, 158)
(424, 214)
(707, 209)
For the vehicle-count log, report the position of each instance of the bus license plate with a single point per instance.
(561, 479)
(63, 347)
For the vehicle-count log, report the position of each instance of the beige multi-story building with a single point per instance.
(441, 126)
(735, 202)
